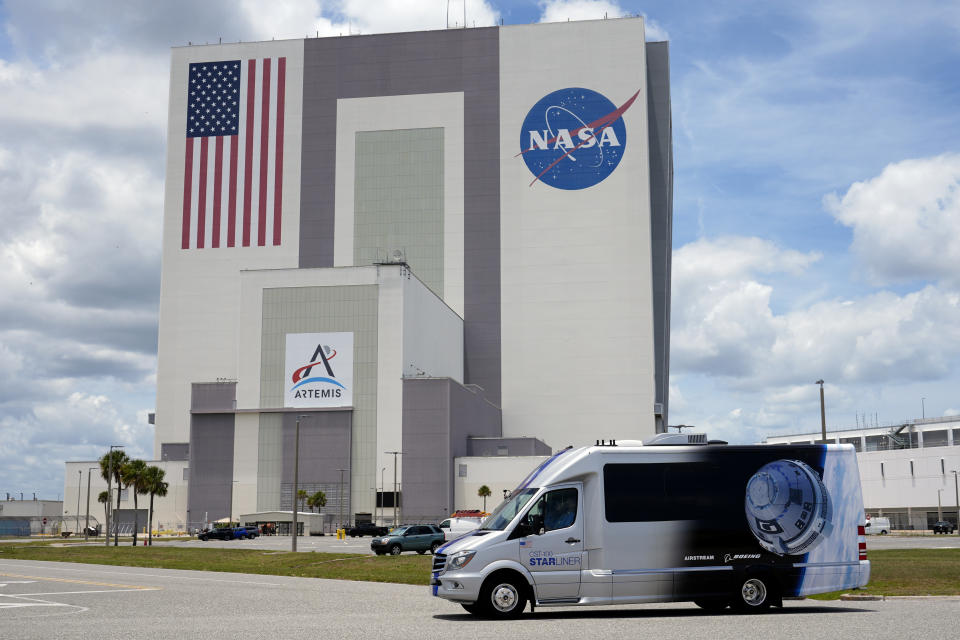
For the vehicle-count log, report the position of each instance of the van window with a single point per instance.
(504, 514)
(445, 524)
(672, 491)
(554, 510)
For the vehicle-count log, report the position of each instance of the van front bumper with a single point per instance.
(460, 586)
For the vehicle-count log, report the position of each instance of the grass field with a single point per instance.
(911, 572)
(404, 569)
(894, 572)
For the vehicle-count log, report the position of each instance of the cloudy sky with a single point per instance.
(816, 215)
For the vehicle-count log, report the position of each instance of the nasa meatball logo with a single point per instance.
(574, 138)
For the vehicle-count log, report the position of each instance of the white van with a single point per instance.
(454, 527)
(877, 526)
(666, 520)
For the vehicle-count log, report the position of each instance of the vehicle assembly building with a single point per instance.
(448, 244)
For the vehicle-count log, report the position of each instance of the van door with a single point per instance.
(554, 554)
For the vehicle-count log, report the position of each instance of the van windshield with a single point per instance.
(507, 511)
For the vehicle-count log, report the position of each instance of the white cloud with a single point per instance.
(390, 16)
(906, 221)
(572, 10)
(723, 324)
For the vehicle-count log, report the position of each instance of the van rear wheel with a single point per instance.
(754, 595)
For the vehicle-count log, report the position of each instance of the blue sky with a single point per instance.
(816, 206)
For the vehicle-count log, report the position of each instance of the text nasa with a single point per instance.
(564, 140)
(547, 559)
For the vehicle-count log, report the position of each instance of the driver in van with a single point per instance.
(561, 513)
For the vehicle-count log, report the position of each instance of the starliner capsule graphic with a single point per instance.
(788, 508)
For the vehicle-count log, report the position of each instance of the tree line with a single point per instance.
(133, 474)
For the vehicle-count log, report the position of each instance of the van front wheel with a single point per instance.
(503, 597)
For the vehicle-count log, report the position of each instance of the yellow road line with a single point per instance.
(98, 584)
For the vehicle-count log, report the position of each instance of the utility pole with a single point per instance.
(296, 473)
(110, 493)
(79, 483)
(395, 454)
(823, 413)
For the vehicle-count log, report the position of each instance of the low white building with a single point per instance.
(165, 509)
(908, 470)
(29, 517)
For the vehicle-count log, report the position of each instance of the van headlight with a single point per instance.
(459, 560)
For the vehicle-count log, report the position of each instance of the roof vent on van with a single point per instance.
(675, 439)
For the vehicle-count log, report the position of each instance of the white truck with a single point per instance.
(674, 518)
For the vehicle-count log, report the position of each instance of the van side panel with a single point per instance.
(720, 513)
(834, 565)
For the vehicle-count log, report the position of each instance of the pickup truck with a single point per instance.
(216, 533)
(366, 529)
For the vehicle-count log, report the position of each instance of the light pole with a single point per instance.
(79, 483)
(382, 469)
(110, 493)
(395, 454)
(86, 527)
(957, 494)
(340, 502)
(939, 508)
(296, 473)
(231, 501)
(923, 409)
(823, 413)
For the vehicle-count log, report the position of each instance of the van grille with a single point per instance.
(439, 562)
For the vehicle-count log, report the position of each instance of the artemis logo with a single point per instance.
(322, 355)
(319, 370)
(574, 138)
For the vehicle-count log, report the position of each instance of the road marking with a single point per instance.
(148, 575)
(60, 593)
(96, 584)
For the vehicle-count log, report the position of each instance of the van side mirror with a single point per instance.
(522, 530)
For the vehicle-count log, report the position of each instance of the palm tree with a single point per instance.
(134, 476)
(113, 463)
(317, 500)
(102, 499)
(155, 486)
(302, 497)
(484, 492)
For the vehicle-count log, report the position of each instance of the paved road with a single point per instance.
(913, 542)
(61, 600)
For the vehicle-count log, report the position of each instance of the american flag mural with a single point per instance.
(233, 162)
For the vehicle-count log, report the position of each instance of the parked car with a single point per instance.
(416, 537)
(942, 527)
(242, 533)
(366, 529)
